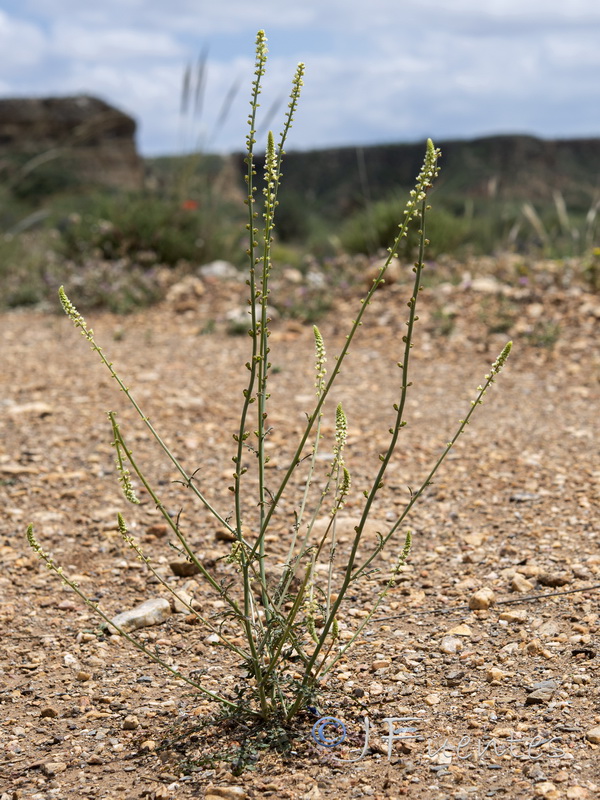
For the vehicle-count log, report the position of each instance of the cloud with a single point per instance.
(22, 44)
(117, 44)
(381, 71)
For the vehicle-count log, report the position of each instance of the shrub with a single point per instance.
(372, 228)
(119, 226)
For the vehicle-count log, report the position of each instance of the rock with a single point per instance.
(148, 746)
(546, 789)
(51, 768)
(593, 735)
(183, 569)
(225, 792)
(36, 409)
(548, 629)
(375, 688)
(482, 599)
(314, 793)
(553, 579)
(461, 630)
(49, 712)
(239, 318)
(536, 648)
(97, 139)
(83, 676)
(520, 584)
(393, 273)
(454, 677)
(494, 674)
(152, 612)
(523, 497)
(184, 295)
(578, 793)
(548, 684)
(222, 270)
(158, 529)
(130, 723)
(539, 696)
(450, 645)
(223, 535)
(380, 662)
(432, 699)
(485, 284)
(514, 616)
(344, 526)
(18, 469)
(183, 602)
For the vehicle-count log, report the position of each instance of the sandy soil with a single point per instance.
(504, 701)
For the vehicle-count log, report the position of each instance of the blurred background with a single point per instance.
(390, 72)
(121, 125)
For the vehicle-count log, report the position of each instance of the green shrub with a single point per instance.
(120, 226)
(371, 229)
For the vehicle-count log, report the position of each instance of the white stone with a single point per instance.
(152, 612)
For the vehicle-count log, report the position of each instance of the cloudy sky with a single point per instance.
(376, 71)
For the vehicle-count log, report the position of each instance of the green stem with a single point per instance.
(72, 585)
(79, 322)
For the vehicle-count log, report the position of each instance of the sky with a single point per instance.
(381, 71)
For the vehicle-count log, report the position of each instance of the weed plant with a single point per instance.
(286, 624)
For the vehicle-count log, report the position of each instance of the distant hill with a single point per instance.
(503, 168)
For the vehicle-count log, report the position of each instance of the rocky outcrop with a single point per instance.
(92, 139)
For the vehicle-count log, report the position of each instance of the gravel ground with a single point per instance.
(486, 649)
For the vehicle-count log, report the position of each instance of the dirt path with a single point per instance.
(504, 701)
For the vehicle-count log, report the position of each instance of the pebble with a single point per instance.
(454, 677)
(159, 529)
(593, 735)
(520, 584)
(546, 789)
(51, 768)
(494, 674)
(225, 792)
(148, 746)
(553, 579)
(183, 569)
(380, 662)
(152, 612)
(577, 793)
(539, 696)
(37, 408)
(222, 270)
(450, 645)
(345, 525)
(535, 647)
(461, 630)
(514, 616)
(130, 723)
(49, 712)
(183, 602)
(432, 699)
(548, 684)
(548, 629)
(482, 599)
(223, 535)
